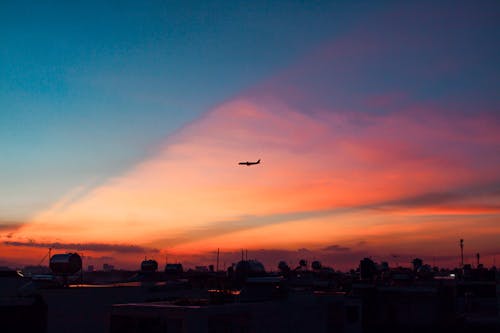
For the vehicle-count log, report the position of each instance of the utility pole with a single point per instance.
(81, 271)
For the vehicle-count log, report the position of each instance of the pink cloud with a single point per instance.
(315, 162)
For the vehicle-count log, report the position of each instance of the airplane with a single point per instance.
(249, 163)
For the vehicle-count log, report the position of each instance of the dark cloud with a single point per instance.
(246, 222)
(336, 248)
(8, 228)
(426, 199)
(9, 225)
(446, 197)
(97, 247)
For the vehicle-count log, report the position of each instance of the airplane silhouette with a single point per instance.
(249, 163)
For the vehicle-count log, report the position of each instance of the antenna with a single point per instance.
(462, 251)
(45, 256)
(217, 260)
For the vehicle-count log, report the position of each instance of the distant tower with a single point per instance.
(217, 260)
(477, 257)
(367, 269)
(316, 265)
(417, 264)
(462, 251)
(283, 268)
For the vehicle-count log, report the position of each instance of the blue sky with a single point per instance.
(89, 88)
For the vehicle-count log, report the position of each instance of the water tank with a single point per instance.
(316, 265)
(246, 268)
(65, 264)
(149, 266)
(283, 267)
(367, 269)
(417, 263)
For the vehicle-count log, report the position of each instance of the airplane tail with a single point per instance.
(258, 161)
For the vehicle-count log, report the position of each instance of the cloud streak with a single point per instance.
(478, 199)
(95, 247)
(336, 248)
(9, 225)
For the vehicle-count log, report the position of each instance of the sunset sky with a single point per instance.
(377, 125)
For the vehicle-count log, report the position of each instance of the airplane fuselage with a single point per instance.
(249, 163)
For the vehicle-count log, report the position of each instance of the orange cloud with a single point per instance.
(325, 177)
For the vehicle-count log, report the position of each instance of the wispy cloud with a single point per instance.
(8, 228)
(9, 225)
(477, 199)
(96, 247)
(336, 248)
